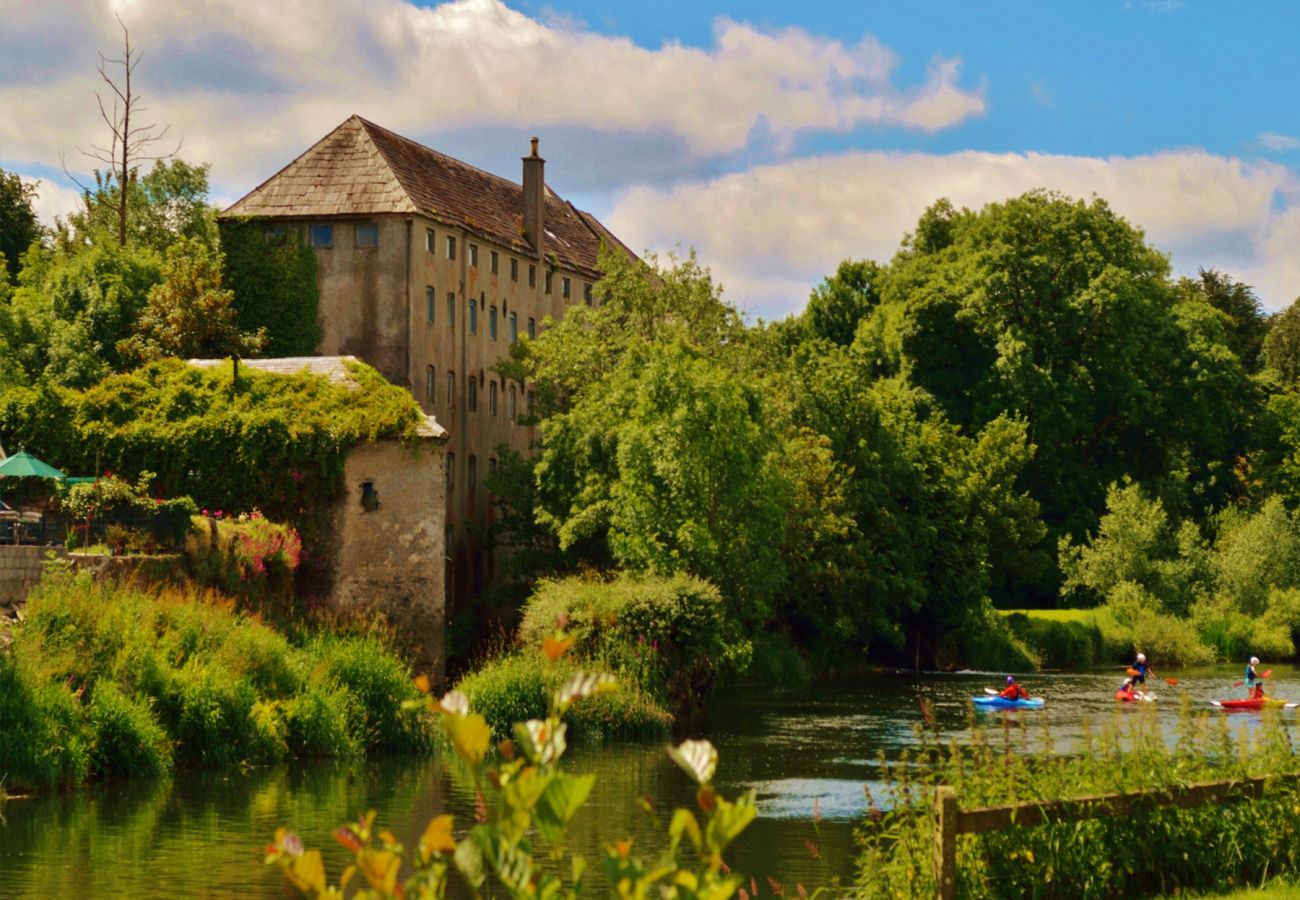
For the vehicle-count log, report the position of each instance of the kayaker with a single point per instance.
(1139, 669)
(1251, 675)
(1257, 693)
(1126, 689)
(1013, 691)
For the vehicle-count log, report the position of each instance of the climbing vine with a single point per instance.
(273, 276)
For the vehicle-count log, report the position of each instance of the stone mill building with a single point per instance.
(428, 270)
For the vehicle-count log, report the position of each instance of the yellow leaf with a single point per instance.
(469, 735)
(437, 837)
(422, 684)
(308, 872)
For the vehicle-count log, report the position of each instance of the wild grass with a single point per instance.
(105, 678)
(516, 687)
(1156, 851)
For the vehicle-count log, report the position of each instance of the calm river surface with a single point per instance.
(199, 834)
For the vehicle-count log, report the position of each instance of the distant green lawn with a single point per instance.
(1082, 616)
(1279, 889)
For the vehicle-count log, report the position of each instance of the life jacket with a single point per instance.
(1014, 692)
(1141, 668)
(1251, 677)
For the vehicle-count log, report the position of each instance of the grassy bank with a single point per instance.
(1157, 851)
(116, 679)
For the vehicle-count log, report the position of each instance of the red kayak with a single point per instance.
(1124, 696)
(1253, 703)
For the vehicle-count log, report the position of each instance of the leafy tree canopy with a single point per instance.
(19, 226)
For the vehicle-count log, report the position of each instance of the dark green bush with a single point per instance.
(671, 636)
(128, 738)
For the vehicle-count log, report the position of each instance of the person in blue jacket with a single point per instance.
(1140, 668)
(1252, 676)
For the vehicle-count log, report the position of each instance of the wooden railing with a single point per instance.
(951, 821)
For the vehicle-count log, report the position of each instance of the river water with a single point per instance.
(808, 754)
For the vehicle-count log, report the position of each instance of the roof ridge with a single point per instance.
(460, 162)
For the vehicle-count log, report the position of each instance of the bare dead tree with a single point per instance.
(130, 142)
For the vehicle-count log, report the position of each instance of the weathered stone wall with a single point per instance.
(363, 295)
(20, 569)
(390, 553)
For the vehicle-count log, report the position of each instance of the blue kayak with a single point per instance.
(1003, 703)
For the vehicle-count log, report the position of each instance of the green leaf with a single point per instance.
(564, 796)
(469, 860)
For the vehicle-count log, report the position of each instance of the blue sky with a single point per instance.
(774, 138)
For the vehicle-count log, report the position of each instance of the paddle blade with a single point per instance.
(1238, 683)
(1132, 672)
(1173, 682)
(990, 692)
(1267, 673)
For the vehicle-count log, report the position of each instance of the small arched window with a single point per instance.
(471, 474)
(430, 385)
(451, 390)
(472, 400)
(492, 323)
(473, 316)
(510, 404)
(428, 303)
(492, 398)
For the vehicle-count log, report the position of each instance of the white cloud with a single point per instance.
(772, 232)
(248, 84)
(1277, 143)
(53, 200)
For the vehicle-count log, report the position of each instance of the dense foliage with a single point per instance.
(273, 278)
(19, 226)
(270, 442)
(110, 679)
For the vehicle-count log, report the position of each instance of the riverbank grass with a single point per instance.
(1158, 851)
(118, 679)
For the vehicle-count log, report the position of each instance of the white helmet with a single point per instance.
(1254, 660)
(1142, 657)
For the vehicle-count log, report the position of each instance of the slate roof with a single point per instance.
(361, 169)
(334, 368)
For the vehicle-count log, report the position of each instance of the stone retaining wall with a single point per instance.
(20, 569)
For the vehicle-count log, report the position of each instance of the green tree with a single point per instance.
(843, 300)
(19, 226)
(188, 314)
(1248, 324)
(168, 204)
(1058, 312)
(71, 309)
(1281, 348)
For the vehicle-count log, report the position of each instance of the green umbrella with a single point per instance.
(23, 465)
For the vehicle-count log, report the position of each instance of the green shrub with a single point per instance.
(777, 662)
(671, 636)
(173, 677)
(517, 687)
(987, 642)
(127, 737)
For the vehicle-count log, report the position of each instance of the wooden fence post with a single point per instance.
(945, 842)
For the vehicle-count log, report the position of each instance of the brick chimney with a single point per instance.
(535, 201)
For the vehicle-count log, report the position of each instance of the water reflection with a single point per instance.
(200, 833)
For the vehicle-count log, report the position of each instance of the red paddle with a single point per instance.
(1267, 673)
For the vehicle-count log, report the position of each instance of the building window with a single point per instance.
(492, 397)
(451, 470)
(514, 328)
(472, 400)
(430, 385)
(451, 310)
(532, 329)
(451, 390)
(471, 473)
(367, 234)
(428, 303)
(451, 246)
(529, 407)
(473, 255)
(586, 293)
(276, 235)
(510, 404)
(548, 282)
(428, 240)
(564, 288)
(492, 259)
(322, 236)
(492, 466)
(532, 275)
(492, 323)
(473, 316)
(514, 269)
